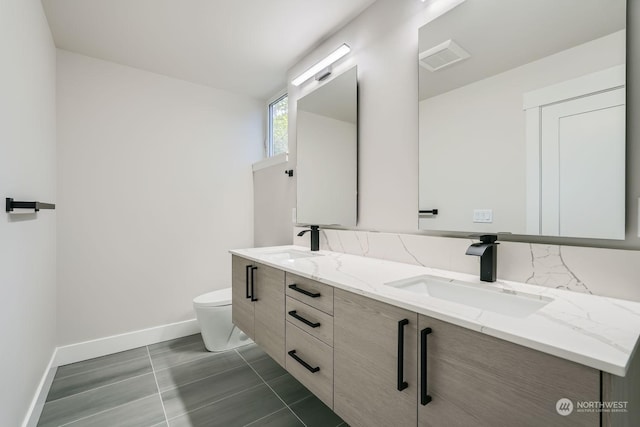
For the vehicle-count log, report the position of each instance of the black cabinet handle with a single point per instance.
(247, 280)
(252, 284)
(311, 369)
(295, 315)
(402, 384)
(302, 291)
(424, 397)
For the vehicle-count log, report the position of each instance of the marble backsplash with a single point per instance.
(607, 272)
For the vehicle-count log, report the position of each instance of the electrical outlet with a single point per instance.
(483, 215)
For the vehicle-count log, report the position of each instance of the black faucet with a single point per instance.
(315, 237)
(487, 250)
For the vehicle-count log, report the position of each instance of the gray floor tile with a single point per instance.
(100, 362)
(288, 388)
(268, 368)
(194, 395)
(145, 412)
(69, 385)
(212, 364)
(178, 355)
(238, 410)
(173, 344)
(91, 402)
(314, 413)
(282, 418)
(251, 352)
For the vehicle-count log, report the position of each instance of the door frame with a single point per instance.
(608, 79)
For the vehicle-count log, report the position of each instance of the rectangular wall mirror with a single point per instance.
(327, 144)
(522, 118)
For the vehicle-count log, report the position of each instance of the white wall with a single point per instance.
(27, 172)
(483, 119)
(384, 42)
(155, 186)
(273, 195)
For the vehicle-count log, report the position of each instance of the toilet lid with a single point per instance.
(214, 299)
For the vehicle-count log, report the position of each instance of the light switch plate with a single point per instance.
(294, 215)
(483, 215)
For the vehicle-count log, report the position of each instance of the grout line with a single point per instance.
(200, 379)
(195, 359)
(262, 418)
(215, 401)
(99, 387)
(105, 410)
(274, 392)
(164, 411)
(203, 356)
(304, 398)
(109, 365)
(264, 356)
(155, 353)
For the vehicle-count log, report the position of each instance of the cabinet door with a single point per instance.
(366, 338)
(241, 306)
(475, 379)
(268, 290)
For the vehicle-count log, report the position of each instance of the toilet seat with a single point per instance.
(217, 298)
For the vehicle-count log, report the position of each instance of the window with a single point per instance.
(278, 141)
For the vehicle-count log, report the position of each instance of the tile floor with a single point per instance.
(178, 383)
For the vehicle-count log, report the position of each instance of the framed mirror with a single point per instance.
(327, 138)
(522, 118)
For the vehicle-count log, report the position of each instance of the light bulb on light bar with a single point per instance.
(330, 59)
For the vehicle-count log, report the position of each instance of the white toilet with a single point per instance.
(213, 311)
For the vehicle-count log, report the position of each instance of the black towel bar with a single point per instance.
(12, 204)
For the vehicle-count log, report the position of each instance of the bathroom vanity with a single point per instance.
(385, 343)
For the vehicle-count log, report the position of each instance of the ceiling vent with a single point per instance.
(443, 55)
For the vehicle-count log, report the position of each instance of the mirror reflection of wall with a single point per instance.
(327, 130)
(526, 134)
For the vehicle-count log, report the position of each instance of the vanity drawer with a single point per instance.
(301, 314)
(310, 292)
(303, 349)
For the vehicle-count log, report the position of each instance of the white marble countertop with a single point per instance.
(595, 331)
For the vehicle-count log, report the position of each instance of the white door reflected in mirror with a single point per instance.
(576, 158)
(475, 150)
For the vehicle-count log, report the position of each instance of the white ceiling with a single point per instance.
(244, 46)
(503, 34)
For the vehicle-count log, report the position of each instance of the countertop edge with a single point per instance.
(582, 359)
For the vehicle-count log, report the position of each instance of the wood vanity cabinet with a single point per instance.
(472, 379)
(475, 379)
(242, 309)
(376, 364)
(258, 304)
(309, 330)
(367, 376)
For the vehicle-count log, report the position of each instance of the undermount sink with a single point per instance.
(287, 255)
(479, 296)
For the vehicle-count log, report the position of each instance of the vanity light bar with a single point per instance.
(319, 66)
